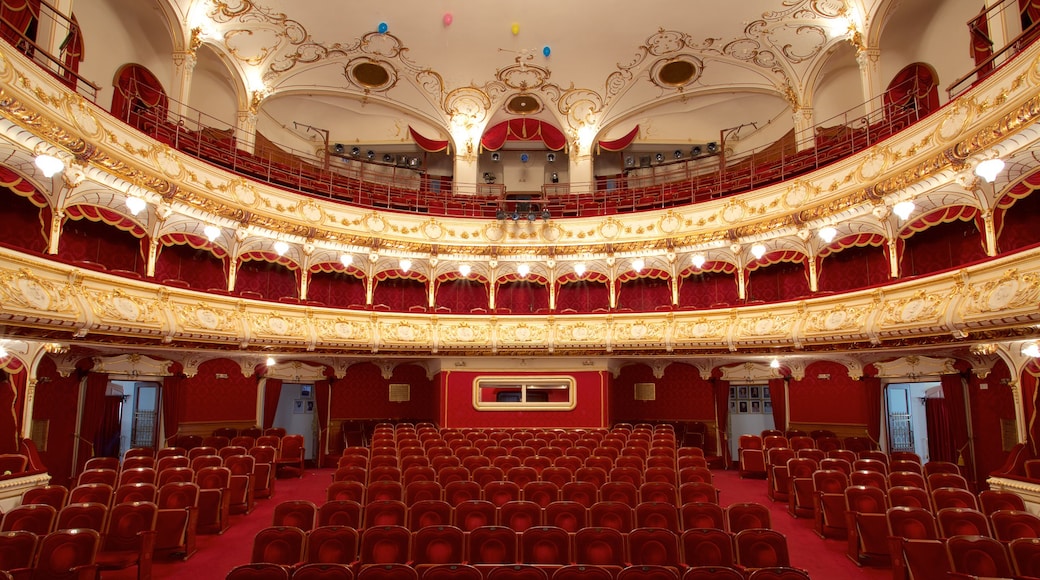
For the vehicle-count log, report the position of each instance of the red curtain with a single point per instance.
(722, 417)
(523, 129)
(138, 91)
(427, 144)
(91, 416)
(322, 393)
(914, 91)
(778, 396)
(621, 142)
(72, 52)
(8, 420)
(19, 16)
(953, 392)
(981, 46)
(1030, 10)
(111, 425)
(872, 393)
(272, 391)
(940, 447)
(171, 407)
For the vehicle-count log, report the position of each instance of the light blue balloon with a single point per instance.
(546, 51)
(524, 157)
(383, 28)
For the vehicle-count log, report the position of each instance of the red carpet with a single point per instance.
(824, 559)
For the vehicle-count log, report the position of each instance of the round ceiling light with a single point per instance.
(677, 72)
(523, 105)
(370, 74)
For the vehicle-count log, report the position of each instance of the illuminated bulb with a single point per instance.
(903, 209)
(774, 364)
(465, 269)
(523, 270)
(270, 361)
(212, 232)
(406, 264)
(579, 269)
(49, 165)
(827, 234)
(698, 260)
(281, 247)
(135, 205)
(638, 264)
(758, 250)
(1030, 349)
(3, 352)
(989, 169)
(346, 259)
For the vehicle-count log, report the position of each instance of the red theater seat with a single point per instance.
(962, 522)
(758, 548)
(600, 547)
(654, 547)
(52, 495)
(129, 538)
(259, 571)
(747, 515)
(384, 545)
(438, 545)
(323, 572)
(978, 556)
(475, 513)
(517, 572)
(430, 512)
(545, 546)
(36, 518)
(17, 551)
(82, 515)
(343, 512)
(569, 515)
(297, 513)
(66, 553)
(1011, 524)
(177, 520)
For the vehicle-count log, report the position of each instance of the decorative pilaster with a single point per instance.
(869, 60)
(184, 62)
(245, 129)
(804, 131)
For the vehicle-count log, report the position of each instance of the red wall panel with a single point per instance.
(23, 227)
(988, 408)
(838, 399)
(56, 401)
(681, 395)
(591, 391)
(207, 398)
(363, 393)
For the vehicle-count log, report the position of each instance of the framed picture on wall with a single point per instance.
(732, 406)
(732, 393)
(742, 392)
(742, 407)
(767, 406)
(756, 393)
(298, 407)
(765, 393)
(756, 406)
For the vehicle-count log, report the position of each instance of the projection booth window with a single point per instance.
(529, 393)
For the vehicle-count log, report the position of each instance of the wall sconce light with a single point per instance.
(1031, 349)
(827, 234)
(697, 260)
(989, 169)
(495, 156)
(903, 209)
(523, 270)
(465, 269)
(281, 247)
(49, 165)
(135, 205)
(211, 232)
(405, 264)
(758, 250)
(774, 364)
(551, 157)
(638, 264)
(346, 260)
(579, 269)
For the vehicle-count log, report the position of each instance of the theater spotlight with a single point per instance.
(355, 151)
(696, 150)
(370, 154)
(713, 147)
(678, 154)
(555, 177)
(545, 214)
(550, 157)
(659, 157)
(495, 156)
(338, 148)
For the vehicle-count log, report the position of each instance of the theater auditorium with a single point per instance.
(519, 291)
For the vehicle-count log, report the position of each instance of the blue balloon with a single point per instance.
(546, 51)
(383, 28)
(524, 157)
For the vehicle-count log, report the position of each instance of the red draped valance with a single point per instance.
(262, 256)
(621, 142)
(571, 277)
(775, 258)
(429, 145)
(18, 17)
(710, 267)
(853, 241)
(449, 276)
(940, 216)
(514, 277)
(191, 240)
(652, 273)
(399, 275)
(105, 215)
(21, 186)
(523, 129)
(337, 267)
(1024, 188)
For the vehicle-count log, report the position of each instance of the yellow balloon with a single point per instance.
(516, 29)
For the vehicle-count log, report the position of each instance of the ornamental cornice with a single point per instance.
(994, 297)
(38, 111)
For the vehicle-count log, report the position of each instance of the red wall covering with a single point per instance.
(23, 227)
(682, 395)
(591, 412)
(271, 280)
(1020, 222)
(941, 247)
(853, 268)
(708, 289)
(988, 407)
(56, 402)
(336, 289)
(780, 281)
(207, 398)
(98, 242)
(839, 399)
(199, 268)
(363, 393)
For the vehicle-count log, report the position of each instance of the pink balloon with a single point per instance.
(447, 19)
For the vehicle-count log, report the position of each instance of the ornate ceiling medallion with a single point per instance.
(371, 75)
(524, 104)
(676, 72)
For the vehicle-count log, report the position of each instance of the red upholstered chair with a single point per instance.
(200, 451)
(870, 464)
(491, 545)
(17, 551)
(955, 497)
(569, 515)
(99, 475)
(323, 572)
(900, 465)
(994, 500)
(298, 513)
(231, 450)
(688, 474)
(867, 524)
(500, 492)
(1011, 524)
(422, 490)
(487, 474)
(263, 471)
(904, 496)
(522, 475)
(698, 492)
(129, 538)
(869, 479)
(904, 456)
(177, 521)
(540, 492)
(380, 473)
(446, 475)
(962, 522)
(933, 467)
(1025, 556)
(429, 512)
(67, 554)
(385, 545)
(581, 572)
(386, 512)
(517, 572)
(779, 573)
(940, 480)
(777, 478)
(559, 475)
(218, 442)
(907, 524)
(657, 515)
(451, 572)
(346, 490)
(611, 514)
(201, 461)
(658, 491)
(648, 546)
(274, 432)
(978, 556)
(90, 515)
(343, 512)
(836, 463)
(135, 492)
(600, 547)
(648, 573)
(759, 548)
(702, 515)
(36, 518)
(545, 546)
(102, 463)
(708, 547)
(800, 500)
(258, 571)
(829, 506)
(169, 461)
(457, 492)
(747, 515)
(828, 443)
(712, 573)
(475, 513)
(291, 455)
(214, 499)
(519, 515)
(175, 474)
(52, 495)
(906, 479)
(282, 545)
(583, 492)
(384, 490)
(243, 482)
(332, 545)
(437, 545)
(241, 441)
(621, 491)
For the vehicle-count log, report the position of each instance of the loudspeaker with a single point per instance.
(550, 157)
(339, 148)
(713, 147)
